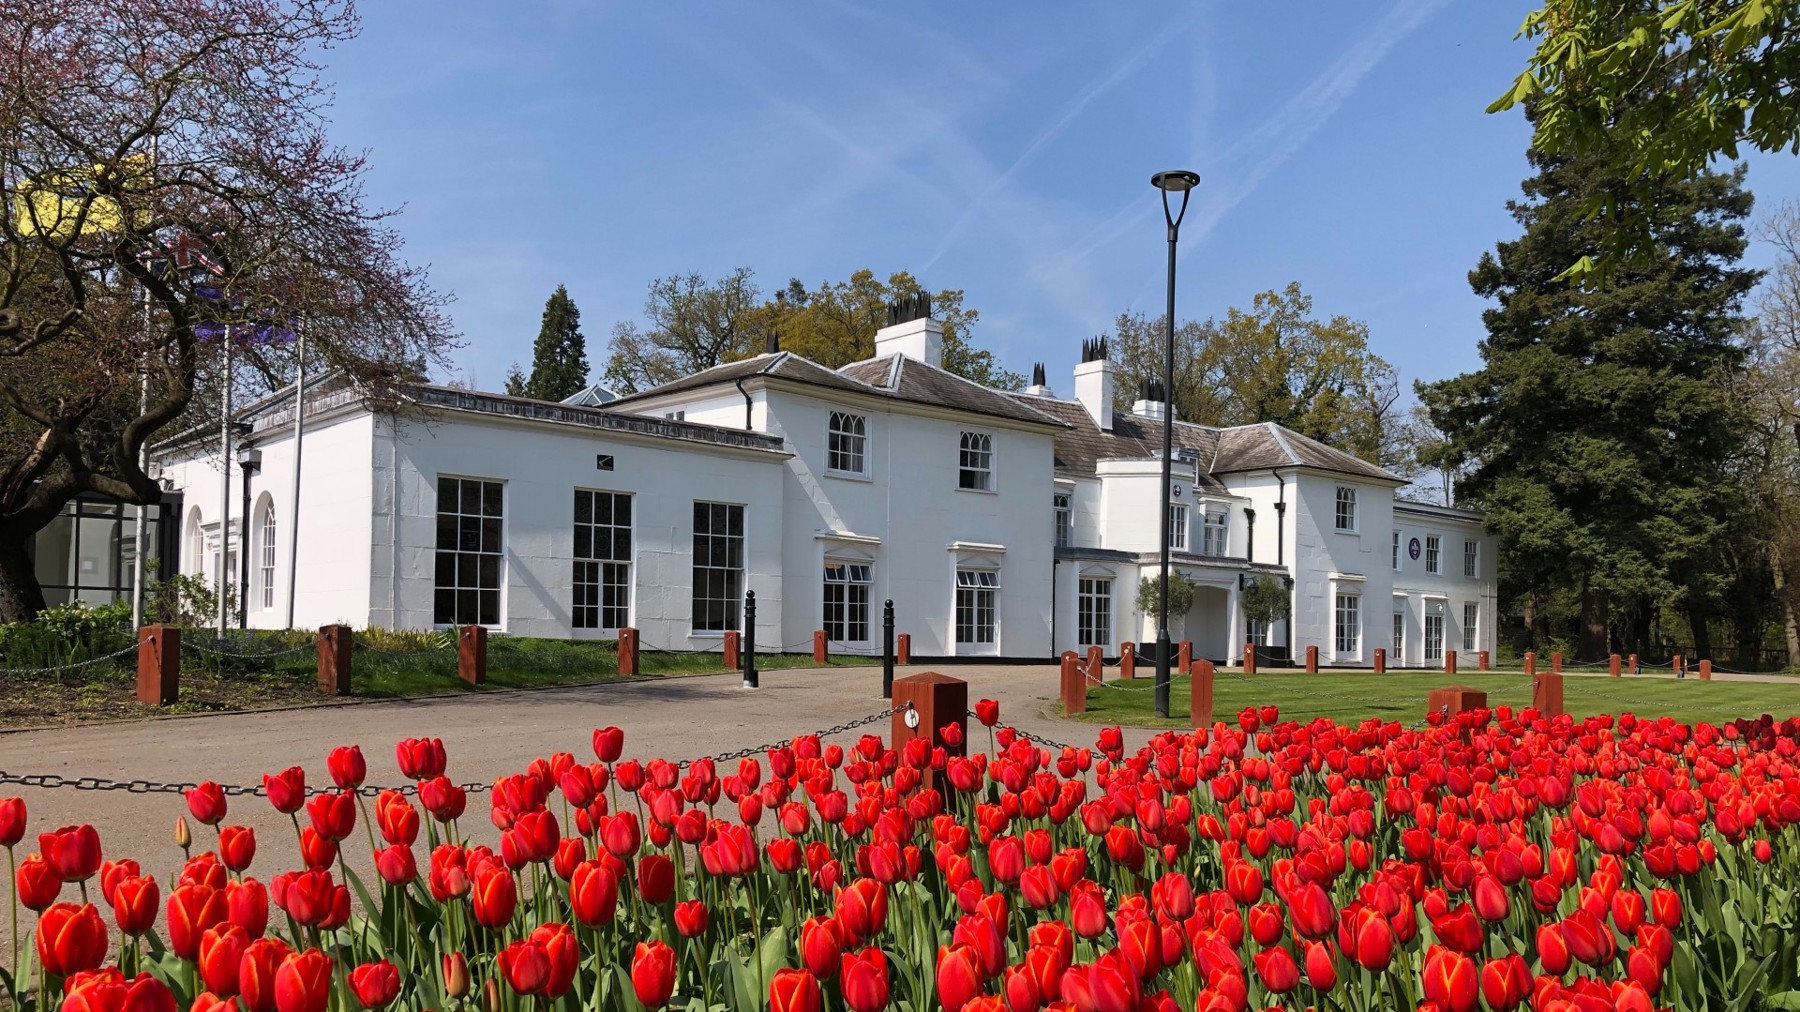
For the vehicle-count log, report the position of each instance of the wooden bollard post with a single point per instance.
(1184, 655)
(159, 664)
(1096, 665)
(1249, 658)
(1200, 694)
(1074, 684)
(1613, 665)
(628, 651)
(1312, 660)
(1706, 670)
(335, 642)
(733, 643)
(937, 702)
(1482, 661)
(1531, 662)
(1633, 664)
(821, 647)
(1547, 694)
(903, 648)
(1449, 662)
(1556, 663)
(1454, 699)
(1381, 660)
(1678, 666)
(471, 654)
(1128, 660)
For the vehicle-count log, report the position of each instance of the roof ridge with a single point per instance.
(1281, 439)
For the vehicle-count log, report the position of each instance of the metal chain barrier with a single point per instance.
(75, 666)
(745, 753)
(52, 781)
(217, 648)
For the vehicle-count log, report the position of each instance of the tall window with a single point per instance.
(1434, 554)
(1471, 620)
(847, 443)
(718, 566)
(847, 601)
(602, 560)
(1093, 612)
(1396, 551)
(975, 464)
(977, 591)
(1434, 636)
(1215, 533)
(1065, 520)
(1177, 527)
(1346, 508)
(468, 552)
(1471, 559)
(1349, 624)
(196, 544)
(265, 556)
(1399, 636)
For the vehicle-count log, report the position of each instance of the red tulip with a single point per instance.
(1321, 966)
(206, 803)
(256, 973)
(608, 743)
(303, 982)
(193, 910)
(348, 770)
(333, 815)
(594, 893)
(862, 909)
(656, 878)
(396, 818)
(1553, 949)
(1505, 982)
(72, 852)
(443, 799)
(237, 847)
(1277, 970)
(286, 790)
(526, 967)
(1450, 980)
(12, 821)
(653, 973)
(864, 983)
(494, 895)
(317, 852)
(1490, 901)
(136, 901)
(1173, 896)
(376, 985)
(420, 758)
(247, 906)
(1037, 887)
(455, 970)
(958, 976)
(690, 918)
(1312, 912)
(71, 938)
(221, 951)
(793, 990)
(820, 948)
(1087, 910)
(1665, 907)
(396, 865)
(564, 953)
(206, 1001)
(987, 711)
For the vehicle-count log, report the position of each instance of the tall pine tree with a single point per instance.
(1597, 433)
(559, 365)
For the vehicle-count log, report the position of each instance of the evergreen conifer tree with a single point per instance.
(559, 365)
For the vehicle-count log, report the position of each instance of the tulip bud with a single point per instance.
(490, 996)
(183, 838)
(456, 975)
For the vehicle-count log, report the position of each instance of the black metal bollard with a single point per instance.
(750, 681)
(887, 650)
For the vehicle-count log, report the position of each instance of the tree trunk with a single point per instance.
(20, 596)
(1591, 642)
(1702, 637)
(1784, 595)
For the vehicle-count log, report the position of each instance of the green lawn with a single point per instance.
(375, 676)
(1353, 696)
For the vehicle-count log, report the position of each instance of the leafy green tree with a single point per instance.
(1275, 362)
(559, 365)
(1597, 432)
(1728, 69)
(691, 324)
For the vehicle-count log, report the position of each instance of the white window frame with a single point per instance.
(1348, 603)
(1471, 639)
(605, 575)
(1093, 611)
(196, 545)
(1472, 558)
(1398, 647)
(975, 462)
(1178, 524)
(1344, 519)
(265, 555)
(1063, 505)
(1215, 538)
(1397, 552)
(849, 582)
(846, 444)
(489, 551)
(975, 597)
(1434, 615)
(732, 582)
(1434, 555)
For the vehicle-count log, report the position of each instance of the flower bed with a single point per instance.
(1496, 860)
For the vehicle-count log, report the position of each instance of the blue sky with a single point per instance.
(1004, 149)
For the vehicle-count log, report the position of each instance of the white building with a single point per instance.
(1000, 524)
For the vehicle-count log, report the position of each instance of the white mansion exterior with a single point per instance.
(1000, 524)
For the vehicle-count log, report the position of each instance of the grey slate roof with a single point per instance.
(784, 364)
(1266, 445)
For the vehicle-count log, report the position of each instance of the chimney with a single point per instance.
(911, 331)
(1038, 387)
(1152, 402)
(1094, 382)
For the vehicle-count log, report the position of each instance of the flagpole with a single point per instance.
(143, 524)
(224, 584)
(294, 496)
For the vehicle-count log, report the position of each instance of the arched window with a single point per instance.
(265, 553)
(196, 544)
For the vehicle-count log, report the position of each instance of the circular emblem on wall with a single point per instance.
(1175, 490)
(1412, 548)
(912, 719)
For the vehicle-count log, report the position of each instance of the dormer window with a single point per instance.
(847, 444)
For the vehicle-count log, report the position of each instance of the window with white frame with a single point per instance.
(1471, 559)
(1471, 621)
(196, 544)
(1346, 508)
(975, 462)
(718, 566)
(1348, 625)
(1065, 519)
(1399, 648)
(1215, 531)
(847, 601)
(1434, 555)
(602, 560)
(1434, 632)
(469, 551)
(1396, 551)
(1093, 611)
(1177, 527)
(977, 598)
(265, 556)
(847, 444)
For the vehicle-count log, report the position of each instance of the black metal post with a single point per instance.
(887, 650)
(243, 602)
(750, 681)
(1183, 183)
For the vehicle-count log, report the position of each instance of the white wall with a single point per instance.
(1415, 589)
(1328, 562)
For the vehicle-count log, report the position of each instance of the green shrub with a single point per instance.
(66, 634)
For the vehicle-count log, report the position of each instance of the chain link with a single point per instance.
(745, 753)
(217, 649)
(76, 666)
(52, 781)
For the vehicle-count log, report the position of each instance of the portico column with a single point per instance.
(1234, 624)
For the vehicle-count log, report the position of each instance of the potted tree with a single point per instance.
(1181, 599)
(1265, 601)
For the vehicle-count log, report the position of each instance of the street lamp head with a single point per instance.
(1175, 180)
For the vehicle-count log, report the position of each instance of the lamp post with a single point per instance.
(1183, 182)
(249, 460)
